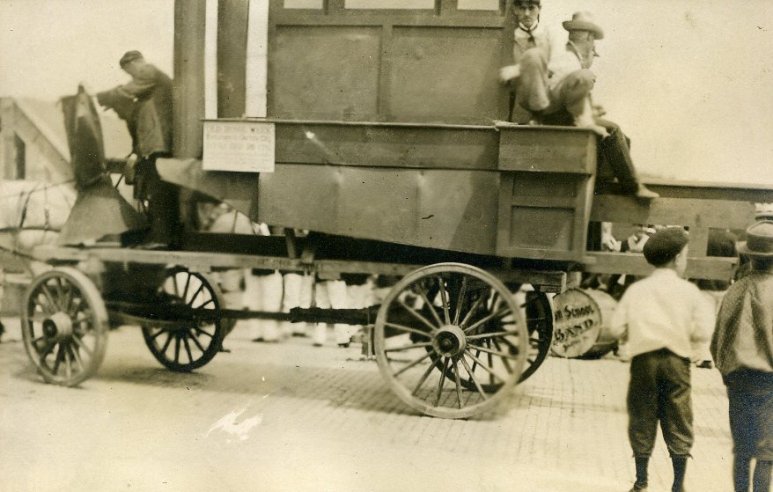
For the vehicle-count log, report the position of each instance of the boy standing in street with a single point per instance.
(662, 317)
(742, 348)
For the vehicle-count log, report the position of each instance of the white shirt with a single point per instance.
(663, 311)
(562, 63)
(542, 40)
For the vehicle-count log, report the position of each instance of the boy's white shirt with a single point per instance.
(663, 311)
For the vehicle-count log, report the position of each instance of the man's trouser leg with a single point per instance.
(163, 203)
(615, 150)
(531, 87)
(642, 402)
(676, 407)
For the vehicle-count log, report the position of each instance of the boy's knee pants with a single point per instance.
(659, 391)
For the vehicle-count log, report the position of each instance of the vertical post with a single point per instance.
(189, 26)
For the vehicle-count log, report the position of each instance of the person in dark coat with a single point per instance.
(145, 103)
(742, 348)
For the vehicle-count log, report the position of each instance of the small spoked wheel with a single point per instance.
(64, 326)
(450, 340)
(539, 318)
(193, 333)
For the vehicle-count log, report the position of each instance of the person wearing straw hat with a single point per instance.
(742, 348)
(570, 81)
(661, 318)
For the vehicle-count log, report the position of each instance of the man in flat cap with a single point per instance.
(742, 348)
(145, 103)
(662, 317)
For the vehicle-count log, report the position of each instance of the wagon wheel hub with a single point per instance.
(449, 341)
(58, 325)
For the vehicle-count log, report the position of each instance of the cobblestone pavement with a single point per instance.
(289, 416)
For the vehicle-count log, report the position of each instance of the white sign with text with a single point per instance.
(243, 146)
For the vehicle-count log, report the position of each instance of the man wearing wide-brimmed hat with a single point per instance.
(742, 348)
(569, 83)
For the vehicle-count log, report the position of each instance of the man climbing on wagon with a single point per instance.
(145, 103)
(559, 93)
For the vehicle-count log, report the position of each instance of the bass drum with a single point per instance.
(581, 319)
(605, 343)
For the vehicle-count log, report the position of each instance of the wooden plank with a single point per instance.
(674, 211)
(635, 264)
(550, 280)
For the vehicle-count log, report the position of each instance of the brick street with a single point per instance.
(289, 416)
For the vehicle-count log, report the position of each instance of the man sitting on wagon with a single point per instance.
(567, 81)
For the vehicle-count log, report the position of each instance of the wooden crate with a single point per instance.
(545, 192)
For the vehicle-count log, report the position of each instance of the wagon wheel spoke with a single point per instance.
(492, 335)
(82, 345)
(196, 341)
(168, 341)
(184, 294)
(423, 378)
(187, 346)
(490, 360)
(75, 355)
(58, 359)
(472, 378)
(496, 352)
(408, 329)
(472, 311)
(52, 304)
(483, 366)
(442, 381)
(458, 383)
(459, 300)
(408, 347)
(418, 316)
(430, 306)
(201, 331)
(504, 360)
(498, 314)
(176, 348)
(411, 364)
(444, 299)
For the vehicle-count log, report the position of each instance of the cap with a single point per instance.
(664, 245)
(130, 56)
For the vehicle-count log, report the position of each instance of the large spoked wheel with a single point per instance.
(450, 340)
(64, 326)
(194, 334)
(539, 318)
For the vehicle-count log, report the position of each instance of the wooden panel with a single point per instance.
(231, 57)
(564, 150)
(385, 145)
(453, 210)
(329, 73)
(444, 74)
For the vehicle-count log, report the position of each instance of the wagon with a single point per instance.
(380, 132)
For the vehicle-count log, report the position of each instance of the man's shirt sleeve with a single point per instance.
(619, 324)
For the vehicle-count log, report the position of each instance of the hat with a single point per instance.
(664, 245)
(763, 211)
(129, 56)
(759, 240)
(527, 2)
(583, 21)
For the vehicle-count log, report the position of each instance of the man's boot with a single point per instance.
(680, 467)
(641, 474)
